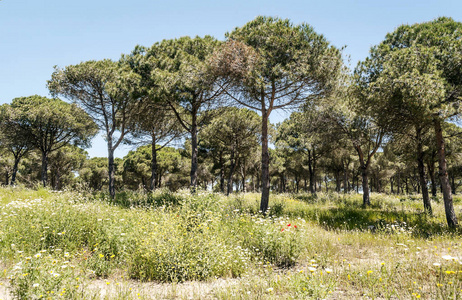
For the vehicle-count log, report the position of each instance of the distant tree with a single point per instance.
(179, 76)
(6, 165)
(94, 173)
(304, 132)
(153, 122)
(50, 124)
(137, 167)
(273, 64)
(357, 123)
(104, 89)
(233, 132)
(12, 137)
(64, 164)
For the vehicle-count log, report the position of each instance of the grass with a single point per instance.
(81, 245)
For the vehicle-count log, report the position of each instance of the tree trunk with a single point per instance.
(366, 197)
(193, 153)
(431, 172)
(111, 171)
(265, 183)
(421, 168)
(57, 180)
(443, 173)
(15, 170)
(311, 172)
(244, 175)
(297, 183)
(222, 173)
(44, 168)
(153, 164)
(345, 178)
(357, 184)
(231, 173)
(337, 181)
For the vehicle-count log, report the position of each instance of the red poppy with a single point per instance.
(288, 225)
(295, 226)
(282, 229)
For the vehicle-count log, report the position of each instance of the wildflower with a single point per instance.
(437, 264)
(447, 257)
(311, 269)
(269, 290)
(288, 225)
(37, 255)
(35, 285)
(369, 272)
(328, 270)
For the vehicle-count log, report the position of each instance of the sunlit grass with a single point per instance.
(82, 246)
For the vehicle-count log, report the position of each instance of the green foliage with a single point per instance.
(170, 168)
(94, 173)
(286, 61)
(51, 123)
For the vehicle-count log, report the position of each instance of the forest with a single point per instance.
(388, 126)
(364, 154)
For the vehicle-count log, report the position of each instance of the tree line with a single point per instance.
(383, 126)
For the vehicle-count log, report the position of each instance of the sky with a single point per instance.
(36, 35)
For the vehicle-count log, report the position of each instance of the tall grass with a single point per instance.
(307, 247)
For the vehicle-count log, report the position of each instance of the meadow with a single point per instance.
(164, 245)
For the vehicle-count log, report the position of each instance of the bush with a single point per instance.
(178, 248)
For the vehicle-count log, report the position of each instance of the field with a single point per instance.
(80, 245)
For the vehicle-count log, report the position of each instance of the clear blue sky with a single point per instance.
(35, 35)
